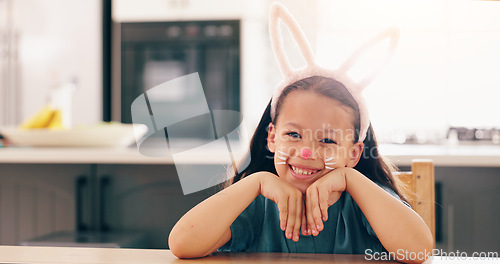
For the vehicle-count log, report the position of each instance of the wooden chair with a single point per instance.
(419, 190)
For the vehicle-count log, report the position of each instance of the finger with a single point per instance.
(283, 209)
(323, 205)
(312, 201)
(298, 217)
(290, 223)
(316, 210)
(303, 222)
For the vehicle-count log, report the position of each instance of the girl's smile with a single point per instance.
(312, 135)
(303, 172)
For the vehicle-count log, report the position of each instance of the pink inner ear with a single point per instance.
(305, 153)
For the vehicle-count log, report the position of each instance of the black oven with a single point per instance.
(155, 52)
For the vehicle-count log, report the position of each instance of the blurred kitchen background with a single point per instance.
(440, 91)
(444, 74)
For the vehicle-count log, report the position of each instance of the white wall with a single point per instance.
(446, 69)
(60, 40)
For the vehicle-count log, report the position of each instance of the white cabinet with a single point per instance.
(169, 10)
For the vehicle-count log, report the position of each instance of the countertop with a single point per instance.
(400, 155)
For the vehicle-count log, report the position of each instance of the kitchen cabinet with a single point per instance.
(37, 199)
(129, 10)
(43, 191)
(42, 199)
(143, 198)
(467, 210)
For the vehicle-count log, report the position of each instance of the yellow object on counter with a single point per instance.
(47, 117)
(56, 121)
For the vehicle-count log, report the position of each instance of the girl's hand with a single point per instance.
(320, 195)
(290, 203)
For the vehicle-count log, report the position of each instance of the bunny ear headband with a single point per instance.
(277, 12)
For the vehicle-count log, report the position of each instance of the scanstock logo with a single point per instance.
(207, 146)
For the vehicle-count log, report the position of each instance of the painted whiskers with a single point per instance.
(331, 159)
(282, 156)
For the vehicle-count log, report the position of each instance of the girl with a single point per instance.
(315, 182)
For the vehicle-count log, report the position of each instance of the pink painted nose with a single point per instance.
(305, 153)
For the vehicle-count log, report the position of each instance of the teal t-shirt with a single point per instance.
(346, 231)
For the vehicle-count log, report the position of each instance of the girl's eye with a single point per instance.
(294, 134)
(328, 141)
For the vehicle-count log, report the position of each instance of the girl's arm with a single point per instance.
(206, 227)
(400, 230)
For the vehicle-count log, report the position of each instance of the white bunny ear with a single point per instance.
(393, 34)
(277, 12)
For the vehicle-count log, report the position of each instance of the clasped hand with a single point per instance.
(303, 212)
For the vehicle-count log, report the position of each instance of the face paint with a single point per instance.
(305, 153)
(281, 158)
(329, 163)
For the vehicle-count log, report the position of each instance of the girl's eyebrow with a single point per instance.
(334, 131)
(327, 130)
(293, 124)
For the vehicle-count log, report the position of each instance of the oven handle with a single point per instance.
(104, 189)
(81, 188)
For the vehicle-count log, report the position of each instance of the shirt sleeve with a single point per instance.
(246, 229)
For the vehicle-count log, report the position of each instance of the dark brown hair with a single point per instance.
(371, 164)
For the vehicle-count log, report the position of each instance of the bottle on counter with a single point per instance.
(61, 99)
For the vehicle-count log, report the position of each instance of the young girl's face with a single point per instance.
(313, 135)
